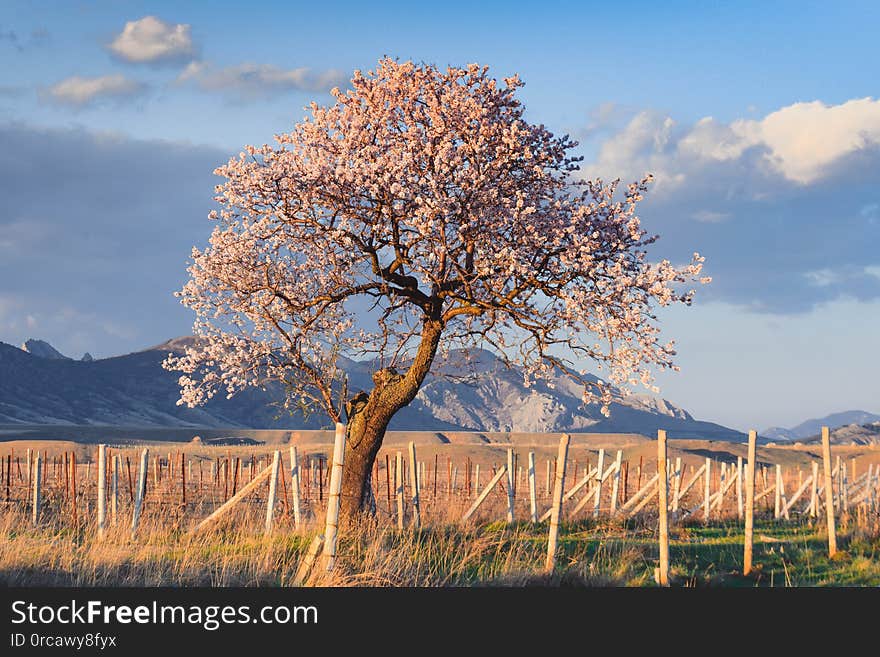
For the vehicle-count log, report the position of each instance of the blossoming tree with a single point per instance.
(418, 212)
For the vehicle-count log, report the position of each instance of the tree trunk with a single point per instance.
(368, 418)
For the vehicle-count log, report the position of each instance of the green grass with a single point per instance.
(590, 553)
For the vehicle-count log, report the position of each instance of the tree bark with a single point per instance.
(368, 418)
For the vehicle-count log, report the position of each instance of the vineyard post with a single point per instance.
(739, 487)
(414, 486)
(331, 525)
(510, 492)
(829, 502)
(273, 489)
(557, 502)
(750, 504)
(183, 478)
(73, 486)
(485, 493)
(599, 472)
(102, 489)
(37, 496)
(139, 493)
(306, 565)
(533, 504)
(663, 500)
(398, 487)
(616, 487)
(114, 489)
(707, 489)
(294, 485)
(777, 493)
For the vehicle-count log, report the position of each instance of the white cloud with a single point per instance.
(78, 91)
(152, 40)
(784, 207)
(800, 142)
(250, 81)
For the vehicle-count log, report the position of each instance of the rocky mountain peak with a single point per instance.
(42, 349)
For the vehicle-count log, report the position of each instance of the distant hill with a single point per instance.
(812, 427)
(471, 393)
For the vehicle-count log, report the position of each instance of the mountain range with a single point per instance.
(470, 392)
(813, 426)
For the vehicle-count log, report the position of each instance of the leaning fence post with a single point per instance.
(139, 494)
(37, 496)
(777, 493)
(273, 488)
(102, 489)
(483, 495)
(750, 504)
(557, 502)
(331, 525)
(294, 484)
(306, 564)
(829, 502)
(663, 502)
(414, 486)
(533, 503)
(510, 492)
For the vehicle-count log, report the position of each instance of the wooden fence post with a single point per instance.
(750, 504)
(294, 485)
(557, 502)
(599, 472)
(777, 501)
(306, 565)
(102, 489)
(533, 503)
(663, 500)
(36, 477)
(139, 493)
(829, 501)
(707, 489)
(616, 486)
(485, 493)
(398, 488)
(739, 487)
(332, 524)
(510, 492)
(114, 489)
(414, 486)
(273, 489)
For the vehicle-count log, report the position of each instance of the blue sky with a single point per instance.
(760, 122)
